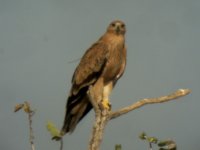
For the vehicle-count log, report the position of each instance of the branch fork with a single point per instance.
(103, 116)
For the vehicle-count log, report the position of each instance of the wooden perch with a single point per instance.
(102, 116)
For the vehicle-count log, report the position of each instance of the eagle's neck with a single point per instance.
(113, 40)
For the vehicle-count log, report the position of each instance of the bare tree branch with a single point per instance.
(177, 94)
(102, 116)
(61, 143)
(30, 113)
(28, 110)
(101, 119)
(31, 138)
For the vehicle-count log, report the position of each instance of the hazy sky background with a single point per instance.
(39, 39)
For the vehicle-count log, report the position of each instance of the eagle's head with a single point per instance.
(117, 27)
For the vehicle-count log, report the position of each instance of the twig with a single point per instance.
(27, 109)
(150, 146)
(31, 137)
(102, 116)
(30, 115)
(61, 144)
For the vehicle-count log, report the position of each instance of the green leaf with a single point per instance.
(118, 147)
(167, 145)
(152, 140)
(143, 136)
(53, 130)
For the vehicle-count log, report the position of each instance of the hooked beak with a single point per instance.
(117, 29)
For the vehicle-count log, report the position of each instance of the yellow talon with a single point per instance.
(106, 104)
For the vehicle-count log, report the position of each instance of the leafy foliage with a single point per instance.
(163, 145)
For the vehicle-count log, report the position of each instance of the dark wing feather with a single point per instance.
(86, 74)
(90, 66)
(77, 107)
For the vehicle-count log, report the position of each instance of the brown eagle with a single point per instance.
(101, 66)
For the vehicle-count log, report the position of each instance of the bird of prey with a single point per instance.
(100, 67)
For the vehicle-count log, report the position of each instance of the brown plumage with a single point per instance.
(101, 66)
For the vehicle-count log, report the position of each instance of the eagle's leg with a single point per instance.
(106, 104)
(106, 93)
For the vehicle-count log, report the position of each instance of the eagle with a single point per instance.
(100, 67)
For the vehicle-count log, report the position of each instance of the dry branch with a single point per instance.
(175, 95)
(101, 119)
(28, 110)
(102, 116)
(30, 115)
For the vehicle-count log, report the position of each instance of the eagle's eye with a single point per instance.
(113, 24)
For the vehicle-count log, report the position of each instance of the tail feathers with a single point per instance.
(75, 112)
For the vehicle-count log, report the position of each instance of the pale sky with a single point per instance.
(40, 38)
